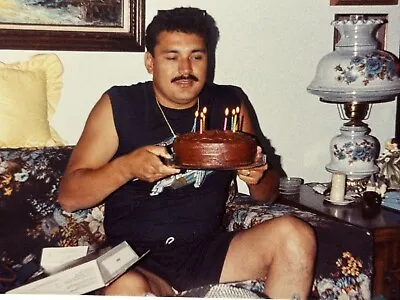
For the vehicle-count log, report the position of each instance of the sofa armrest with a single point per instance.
(30, 217)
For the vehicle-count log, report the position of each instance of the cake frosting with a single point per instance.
(215, 149)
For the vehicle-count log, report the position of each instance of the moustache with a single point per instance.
(185, 77)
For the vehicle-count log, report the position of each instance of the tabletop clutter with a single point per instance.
(371, 193)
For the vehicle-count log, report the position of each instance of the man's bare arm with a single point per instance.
(91, 175)
(267, 189)
(266, 185)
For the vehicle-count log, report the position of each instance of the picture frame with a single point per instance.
(125, 34)
(397, 128)
(363, 2)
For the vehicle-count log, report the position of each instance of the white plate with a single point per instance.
(347, 200)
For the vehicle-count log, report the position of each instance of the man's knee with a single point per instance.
(297, 237)
(130, 284)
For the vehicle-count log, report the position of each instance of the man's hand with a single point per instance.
(253, 175)
(146, 163)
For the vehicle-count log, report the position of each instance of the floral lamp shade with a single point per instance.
(357, 70)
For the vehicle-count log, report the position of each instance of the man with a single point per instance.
(119, 160)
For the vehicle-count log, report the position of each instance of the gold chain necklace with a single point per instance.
(165, 118)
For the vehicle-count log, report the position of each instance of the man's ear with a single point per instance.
(148, 62)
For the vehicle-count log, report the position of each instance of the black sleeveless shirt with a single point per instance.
(185, 213)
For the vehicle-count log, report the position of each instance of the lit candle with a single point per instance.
(232, 120)
(236, 126)
(196, 115)
(226, 118)
(201, 122)
(338, 187)
(204, 117)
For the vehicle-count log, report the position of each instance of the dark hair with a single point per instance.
(186, 20)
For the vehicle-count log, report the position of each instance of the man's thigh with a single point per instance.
(138, 282)
(158, 285)
(251, 251)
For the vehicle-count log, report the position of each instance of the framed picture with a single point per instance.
(73, 25)
(397, 130)
(364, 2)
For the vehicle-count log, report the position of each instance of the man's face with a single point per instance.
(179, 68)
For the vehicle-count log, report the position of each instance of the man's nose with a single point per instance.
(185, 67)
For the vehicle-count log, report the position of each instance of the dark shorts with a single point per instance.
(185, 265)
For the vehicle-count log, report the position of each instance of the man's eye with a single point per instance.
(197, 57)
(171, 57)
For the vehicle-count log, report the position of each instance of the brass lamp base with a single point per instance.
(357, 186)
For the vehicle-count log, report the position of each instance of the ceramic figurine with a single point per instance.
(389, 164)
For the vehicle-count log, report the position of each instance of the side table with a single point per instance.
(385, 229)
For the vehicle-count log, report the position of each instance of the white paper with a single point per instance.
(54, 257)
(84, 274)
(78, 280)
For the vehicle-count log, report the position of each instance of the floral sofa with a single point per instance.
(30, 219)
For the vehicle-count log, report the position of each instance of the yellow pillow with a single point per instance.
(29, 93)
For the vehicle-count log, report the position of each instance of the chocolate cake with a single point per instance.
(215, 149)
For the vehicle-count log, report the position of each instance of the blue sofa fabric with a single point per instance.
(31, 219)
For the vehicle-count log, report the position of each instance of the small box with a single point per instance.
(85, 274)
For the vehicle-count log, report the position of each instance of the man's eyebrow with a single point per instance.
(169, 51)
(202, 50)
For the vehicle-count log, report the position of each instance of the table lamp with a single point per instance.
(355, 76)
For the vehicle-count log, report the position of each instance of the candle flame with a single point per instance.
(233, 112)
(237, 109)
(196, 114)
(202, 115)
(204, 110)
(226, 111)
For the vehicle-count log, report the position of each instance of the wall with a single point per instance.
(269, 48)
